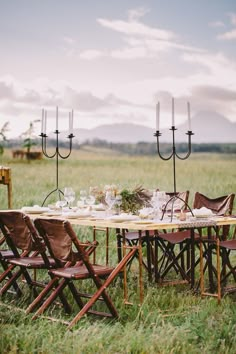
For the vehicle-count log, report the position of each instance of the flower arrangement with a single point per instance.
(132, 199)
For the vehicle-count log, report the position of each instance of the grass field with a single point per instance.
(171, 319)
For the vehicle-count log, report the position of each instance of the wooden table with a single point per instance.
(161, 225)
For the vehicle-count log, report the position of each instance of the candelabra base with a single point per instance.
(60, 193)
(172, 200)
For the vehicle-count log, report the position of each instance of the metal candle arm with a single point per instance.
(173, 155)
(57, 154)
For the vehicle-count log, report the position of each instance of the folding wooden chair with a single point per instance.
(102, 276)
(221, 206)
(5, 255)
(132, 237)
(179, 260)
(29, 253)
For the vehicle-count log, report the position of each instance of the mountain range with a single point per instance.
(208, 127)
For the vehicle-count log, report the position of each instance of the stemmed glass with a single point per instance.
(60, 204)
(90, 200)
(110, 200)
(83, 195)
(158, 201)
(69, 195)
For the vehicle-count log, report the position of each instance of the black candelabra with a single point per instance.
(57, 152)
(173, 155)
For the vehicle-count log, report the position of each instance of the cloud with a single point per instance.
(52, 95)
(69, 40)
(214, 93)
(216, 65)
(7, 90)
(91, 54)
(135, 14)
(232, 17)
(136, 28)
(231, 34)
(143, 41)
(130, 53)
(228, 36)
(83, 101)
(216, 24)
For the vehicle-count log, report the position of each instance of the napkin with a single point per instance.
(202, 212)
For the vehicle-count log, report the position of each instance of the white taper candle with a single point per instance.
(45, 122)
(189, 118)
(42, 121)
(69, 123)
(173, 112)
(72, 118)
(57, 118)
(158, 116)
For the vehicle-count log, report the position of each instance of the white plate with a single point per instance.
(123, 218)
(52, 213)
(34, 210)
(77, 215)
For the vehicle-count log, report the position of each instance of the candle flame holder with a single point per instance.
(174, 155)
(56, 154)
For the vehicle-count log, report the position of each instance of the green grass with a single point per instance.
(171, 319)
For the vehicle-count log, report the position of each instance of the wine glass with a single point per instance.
(61, 203)
(83, 195)
(90, 200)
(69, 195)
(157, 203)
(110, 199)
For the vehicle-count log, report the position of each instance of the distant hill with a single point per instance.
(208, 127)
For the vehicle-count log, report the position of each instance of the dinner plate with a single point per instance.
(123, 218)
(77, 215)
(35, 210)
(52, 213)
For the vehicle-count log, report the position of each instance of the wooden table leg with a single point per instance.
(192, 282)
(149, 263)
(140, 266)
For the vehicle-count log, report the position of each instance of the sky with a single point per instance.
(112, 61)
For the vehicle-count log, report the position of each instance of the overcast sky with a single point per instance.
(112, 60)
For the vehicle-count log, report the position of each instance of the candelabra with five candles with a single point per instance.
(173, 153)
(57, 152)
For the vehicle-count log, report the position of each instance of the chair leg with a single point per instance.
(41, 296)
(10, 281)
(218, 269)
(51, 298)
(9, 275)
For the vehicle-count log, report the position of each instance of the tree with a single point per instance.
(3, 137)
(30, 136)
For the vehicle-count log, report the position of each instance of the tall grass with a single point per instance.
(171, 319)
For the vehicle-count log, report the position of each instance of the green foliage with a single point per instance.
(145, 148)
(135, 199)
(3, 137)
(29, 136)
